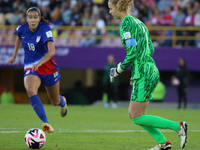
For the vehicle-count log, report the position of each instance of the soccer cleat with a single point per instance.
(163, 146)
(63, 110)
(182, 132)
(114, 105)
(106, 105)
(47, 128)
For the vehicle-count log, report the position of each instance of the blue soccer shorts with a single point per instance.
(47, 80)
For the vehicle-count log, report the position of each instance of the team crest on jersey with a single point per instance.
(127, 35)
(38, 39)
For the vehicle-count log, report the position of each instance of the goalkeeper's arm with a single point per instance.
(115, 72)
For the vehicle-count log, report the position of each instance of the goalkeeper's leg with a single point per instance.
(137, 112)
(141, 94)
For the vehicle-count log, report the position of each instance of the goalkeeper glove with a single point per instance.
(115, 72)
(131, 82)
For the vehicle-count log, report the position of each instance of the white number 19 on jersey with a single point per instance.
(31, 46)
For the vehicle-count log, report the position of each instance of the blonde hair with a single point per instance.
(123, 5)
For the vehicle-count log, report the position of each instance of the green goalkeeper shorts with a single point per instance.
(143, 87)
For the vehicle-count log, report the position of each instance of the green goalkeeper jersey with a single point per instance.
(138, 45)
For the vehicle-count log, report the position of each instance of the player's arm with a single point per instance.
(47, 38)
(47, 57)
(130, 57)
(17, 46)
(130, 42)
(50, 54)
(114, 72)
(130, 48)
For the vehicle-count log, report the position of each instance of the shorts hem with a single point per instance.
(52, 84)
(142, 100)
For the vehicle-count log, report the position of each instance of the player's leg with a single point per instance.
(32, 83)
(53, 94)
(158, 136)
(141, 94)
(185, 98)
(179, 97)
(108, 91)
(56, 99)
(139, 110)
(114, 96)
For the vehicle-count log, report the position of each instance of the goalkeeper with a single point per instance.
(144, 75)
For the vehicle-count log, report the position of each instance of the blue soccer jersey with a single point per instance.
(35, 47)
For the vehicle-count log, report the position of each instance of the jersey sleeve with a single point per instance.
(46, 33)
(18, 31)
(151, 46)
(129, 41)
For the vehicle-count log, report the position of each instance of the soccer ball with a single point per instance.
(35, 138)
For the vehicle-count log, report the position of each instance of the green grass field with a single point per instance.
(91, 128)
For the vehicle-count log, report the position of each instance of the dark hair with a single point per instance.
(36, 9)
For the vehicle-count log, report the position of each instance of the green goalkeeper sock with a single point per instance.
(156, 122)
(155, 133)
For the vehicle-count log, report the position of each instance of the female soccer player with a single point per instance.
(39, 66)
(144, 73)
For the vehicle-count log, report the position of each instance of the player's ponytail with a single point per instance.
(36, 9)
(123, 5)
(44, 20)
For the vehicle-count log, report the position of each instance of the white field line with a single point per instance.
(15, 130)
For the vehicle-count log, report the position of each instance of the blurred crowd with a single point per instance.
(96, 13)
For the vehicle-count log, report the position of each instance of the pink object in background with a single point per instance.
(175, 82)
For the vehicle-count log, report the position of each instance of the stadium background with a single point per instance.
(174, 27)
